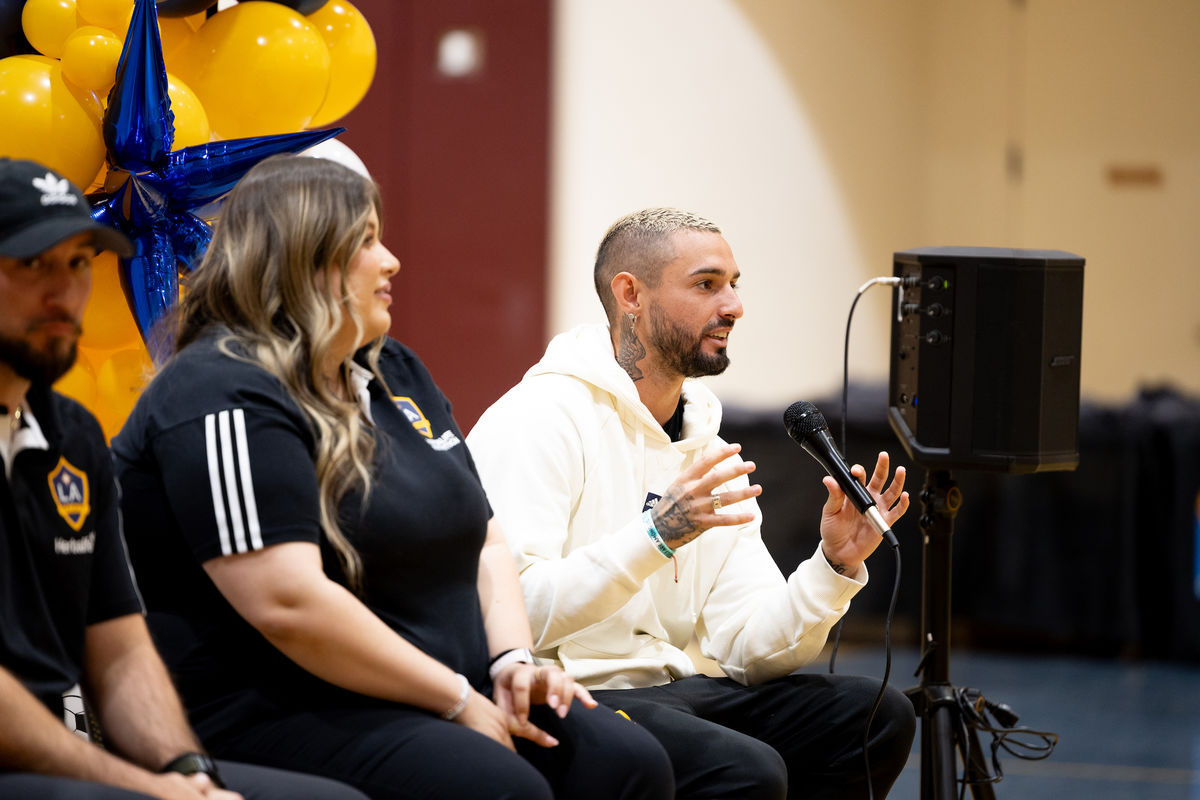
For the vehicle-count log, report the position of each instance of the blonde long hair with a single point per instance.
(289, 218)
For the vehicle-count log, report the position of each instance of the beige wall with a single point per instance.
(1120, 87)
(824, 136)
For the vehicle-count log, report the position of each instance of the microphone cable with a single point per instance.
(899, 283)
(885, 281)
(887, 626)
(980, 714)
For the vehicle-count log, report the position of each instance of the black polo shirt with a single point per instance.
(62, 560)
(217, 459)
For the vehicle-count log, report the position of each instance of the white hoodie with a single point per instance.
(570, 457)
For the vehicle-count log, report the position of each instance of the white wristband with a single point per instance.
(464, 694)
(518, 655)
(655, 536)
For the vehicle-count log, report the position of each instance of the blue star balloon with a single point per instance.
(151, 192)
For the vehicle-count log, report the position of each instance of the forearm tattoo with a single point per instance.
(839, 567)
(631, 351)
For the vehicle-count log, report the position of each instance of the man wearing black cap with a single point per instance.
(70, 616)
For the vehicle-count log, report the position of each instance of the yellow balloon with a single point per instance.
(88, 101)
(259, 68)
(119, 382)
(37, 58)
(97, 182)
(47, 119)
(48, 23)
(90, 57)
(175, 33)
(79, 383)
(352, 57)
(108, 323)
(191, 121)
(111, 14)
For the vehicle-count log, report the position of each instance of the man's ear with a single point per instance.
(627, 291)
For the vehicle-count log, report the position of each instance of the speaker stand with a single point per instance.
(942, 726)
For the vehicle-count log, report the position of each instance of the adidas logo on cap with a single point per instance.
(40, 208)
(55, 191)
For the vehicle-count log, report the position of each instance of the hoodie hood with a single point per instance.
(585, 353)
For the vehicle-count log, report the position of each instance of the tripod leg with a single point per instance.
(939, 768)
(976, 767)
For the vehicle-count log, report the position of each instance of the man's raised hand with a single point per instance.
(689, 507)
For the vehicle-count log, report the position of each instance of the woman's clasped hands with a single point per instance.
(517, 688)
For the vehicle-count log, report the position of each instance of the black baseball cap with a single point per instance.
(40, 208)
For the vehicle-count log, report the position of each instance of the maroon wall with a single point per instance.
(463, 166)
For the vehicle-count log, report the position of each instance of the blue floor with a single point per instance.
(1128, 730)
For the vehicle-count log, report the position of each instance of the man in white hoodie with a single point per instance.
(636, 528)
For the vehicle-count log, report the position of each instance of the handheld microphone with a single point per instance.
(806, 425)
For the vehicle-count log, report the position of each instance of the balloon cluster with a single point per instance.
(252, 69)
(159, 116)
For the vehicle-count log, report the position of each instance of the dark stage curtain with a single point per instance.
(1100, 560)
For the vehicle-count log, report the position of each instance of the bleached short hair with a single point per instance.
(640, 244)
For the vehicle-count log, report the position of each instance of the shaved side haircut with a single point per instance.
(640, 244)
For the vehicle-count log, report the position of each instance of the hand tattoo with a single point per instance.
(672, 521)
(631, 351)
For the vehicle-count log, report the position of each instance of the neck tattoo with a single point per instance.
(629, 352)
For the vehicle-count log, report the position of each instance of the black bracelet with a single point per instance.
(514, 655)
(501, 655)
(191, 763)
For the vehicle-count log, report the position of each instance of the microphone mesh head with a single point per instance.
(802, 419)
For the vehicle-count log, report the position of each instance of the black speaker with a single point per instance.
(985, 358)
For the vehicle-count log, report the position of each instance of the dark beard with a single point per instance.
(39, 367)
(680, 351)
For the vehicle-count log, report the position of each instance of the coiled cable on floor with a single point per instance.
(980, 714)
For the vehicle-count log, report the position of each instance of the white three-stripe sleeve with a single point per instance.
(235, 509)
(231, 491)
(214, 481)
(243, 447)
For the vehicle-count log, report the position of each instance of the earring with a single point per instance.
(632, 322)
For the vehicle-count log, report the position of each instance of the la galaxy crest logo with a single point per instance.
(423, 426)
(414, 415)
(69, 489)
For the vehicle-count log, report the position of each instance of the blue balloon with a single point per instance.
(150, 191)
(139, 127)
(190, 236)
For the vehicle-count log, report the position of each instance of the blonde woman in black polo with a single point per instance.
(313, 542)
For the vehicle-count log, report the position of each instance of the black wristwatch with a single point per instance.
(191, 763)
